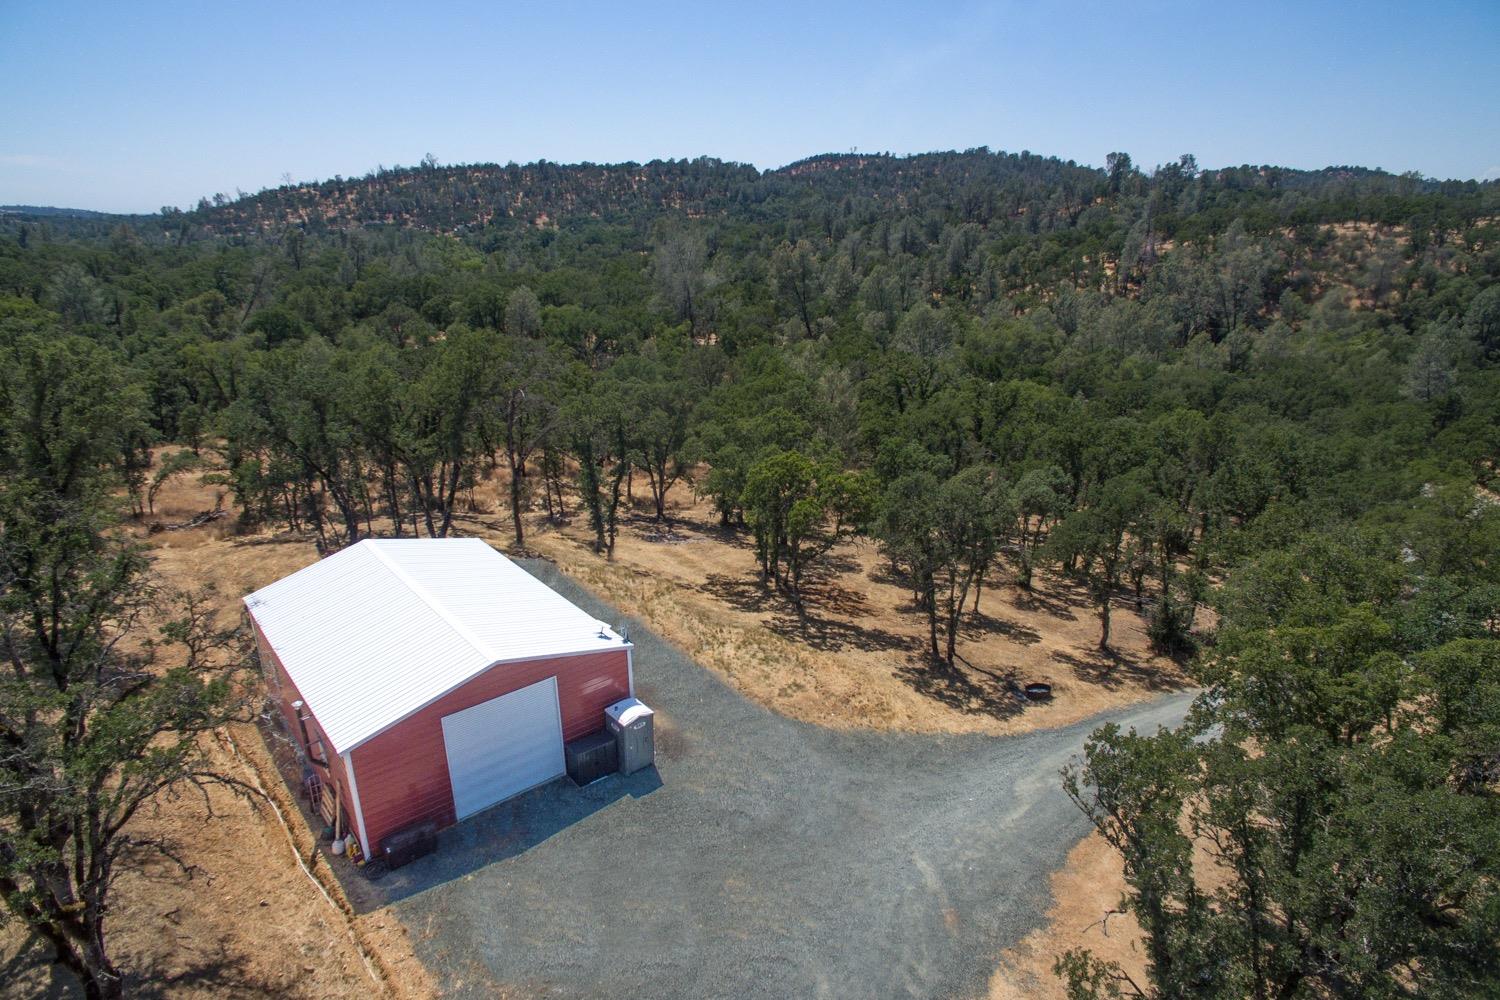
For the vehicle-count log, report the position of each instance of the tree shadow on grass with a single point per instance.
(1056, 605)
(219, 974)
(646, 528)
(985, 694)
(826, 633)
(831, 635)
(729, 535)
(743, 593)
(836, 564)
(978, 626)
(680, 528)
(31, 972)
(823, 594)
(885, 572)
(1112, 669)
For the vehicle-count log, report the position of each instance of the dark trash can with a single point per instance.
(1039, 692)
(591, 757)
(408, 845)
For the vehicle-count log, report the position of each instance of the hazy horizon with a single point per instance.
(127, 110)
(354, 175)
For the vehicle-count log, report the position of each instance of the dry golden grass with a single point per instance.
(250, 923)
(247, 922)
(857, 659)
(1085, 893)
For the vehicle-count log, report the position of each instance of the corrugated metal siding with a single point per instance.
(376, 631)
(403, 772)
(285, 692)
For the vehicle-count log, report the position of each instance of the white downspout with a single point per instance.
(359, 812)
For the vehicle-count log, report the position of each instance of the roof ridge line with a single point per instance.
(426, 598)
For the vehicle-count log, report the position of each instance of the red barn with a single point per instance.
(428, 679)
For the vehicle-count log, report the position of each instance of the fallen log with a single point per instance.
(196, 521)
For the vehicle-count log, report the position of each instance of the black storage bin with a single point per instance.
(408, 845)
(591, 757)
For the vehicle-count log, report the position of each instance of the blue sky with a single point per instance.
(131, 106)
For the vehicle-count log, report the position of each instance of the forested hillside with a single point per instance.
(1151, 363)
(1269, 391)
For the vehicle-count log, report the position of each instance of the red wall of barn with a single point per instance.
(403, 772)
(285, 692)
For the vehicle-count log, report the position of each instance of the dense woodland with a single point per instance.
(1274, 393)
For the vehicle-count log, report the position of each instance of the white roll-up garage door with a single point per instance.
(503, 746)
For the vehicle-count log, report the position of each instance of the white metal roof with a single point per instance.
(376, 631)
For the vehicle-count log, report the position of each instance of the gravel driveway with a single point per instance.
(763, 858)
